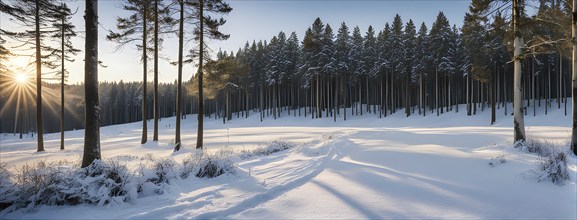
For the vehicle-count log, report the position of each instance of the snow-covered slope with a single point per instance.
(365, 167)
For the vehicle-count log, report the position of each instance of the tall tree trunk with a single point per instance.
(318, 98)
(381, 98)
(533, 86)
(200, 129)
(421, 93)
(155, 134)
(386, 93)
(92, 117)
(335, 103)
(437, 90)
(144, 77)
(574, 79)
(62, 83)
(505, 100)
(177, 141)
(368, 98)
(559, 84)
(492, 97)
(518, 121)
(39, 126)
(468, 96)
(345, 98)
(407, 95)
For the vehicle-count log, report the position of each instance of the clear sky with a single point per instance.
(253, 20)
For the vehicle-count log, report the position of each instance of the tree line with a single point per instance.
(493, 59)
(398, 68)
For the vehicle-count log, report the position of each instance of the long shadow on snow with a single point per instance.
(315, 166)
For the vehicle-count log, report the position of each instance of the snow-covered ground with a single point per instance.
(365, 167)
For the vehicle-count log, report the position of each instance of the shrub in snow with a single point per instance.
(497, 160)
(53, 184)
(216, 164)
(6, 187)
(554, 168)
(110, 183)
(39, 184)
(271, 148)
(538, 146)
(164, 171)
(101, 184)
(552, 162)
(204, 164)
(155, 175)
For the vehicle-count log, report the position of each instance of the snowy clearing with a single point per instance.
(365, 167)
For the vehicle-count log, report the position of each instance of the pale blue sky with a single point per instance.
(257, 20)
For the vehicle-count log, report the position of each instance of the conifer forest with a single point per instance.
(417, 118)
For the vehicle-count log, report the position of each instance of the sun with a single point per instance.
(20, 78)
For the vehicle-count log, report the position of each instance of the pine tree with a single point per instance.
(342, 62)
(206, 26)
(161, 20)
(36, 15)
(396, 59)
(357, 62)
(177, 141)
(440, 43)
(574, 79)
(518, 118)
(92, 130)
(422, 58)
(135, 28)
(409, 62)
(63, 32)
(369, 59)
(382, 65)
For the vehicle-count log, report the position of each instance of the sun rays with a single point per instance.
(18, 95)
(20, 78)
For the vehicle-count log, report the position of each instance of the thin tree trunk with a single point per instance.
(39, 125)
(421, 93)
(518, 121)
(505, 100)
(345, 100)
(407, 95)
(155, 134)
(200, 129)
(559, 85)
(144, 76)
(62, 83)
(335, 103)
(574, 79)
(437, 90)
(533, 86)
(492, 94)
(92, 117)
(367, 92)
(177, 141)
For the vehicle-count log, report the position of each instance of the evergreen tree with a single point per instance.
(135, 28)
(574, 79)
(357, 63)
(343, 62)
(382, 65)
(180, 62)
(440, 43)
(92, 130)
(369, 58)
(422, 58)
(396, 59)
(409, 62)
(63, 32)
(36, 16)
(206, 26)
